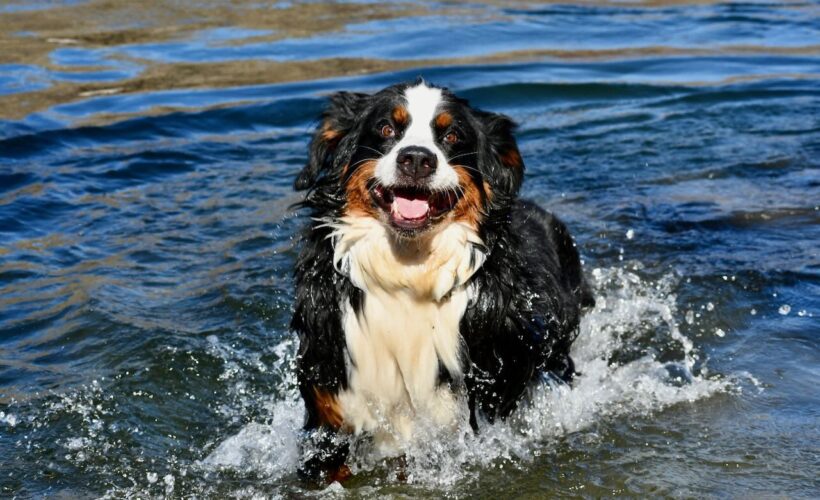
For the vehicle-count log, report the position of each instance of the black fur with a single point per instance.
(527, 311)
(530, 289)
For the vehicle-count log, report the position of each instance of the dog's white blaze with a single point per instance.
(415, 296)
(422, 102)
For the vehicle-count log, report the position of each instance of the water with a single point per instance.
(147, 240)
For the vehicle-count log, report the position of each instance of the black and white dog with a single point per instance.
(425, 290)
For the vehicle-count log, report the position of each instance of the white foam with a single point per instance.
(8, 418)
(271, 448)
(77, 443)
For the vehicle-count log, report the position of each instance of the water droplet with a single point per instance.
(720, 333)
(152, 477)
(710, 307)
(785, 309)
(753, 312)
(630, 234)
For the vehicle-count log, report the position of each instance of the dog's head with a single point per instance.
(415, 157)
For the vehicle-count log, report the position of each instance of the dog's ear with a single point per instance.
(500, 153)
(338, 118)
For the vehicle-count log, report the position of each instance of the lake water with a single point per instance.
(147, 240)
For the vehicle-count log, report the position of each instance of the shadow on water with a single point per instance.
(147, 238)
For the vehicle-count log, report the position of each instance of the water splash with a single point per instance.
(632, 358)
(270, 449)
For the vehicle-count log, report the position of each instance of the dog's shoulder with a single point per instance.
(547, 243)
(526, 308)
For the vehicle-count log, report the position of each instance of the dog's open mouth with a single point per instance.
(411, 208)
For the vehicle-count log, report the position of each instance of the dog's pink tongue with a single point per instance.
(410, 208)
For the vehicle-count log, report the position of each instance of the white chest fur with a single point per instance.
(414, 298)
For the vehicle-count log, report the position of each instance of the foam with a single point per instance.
(269, 448)
(9, 419)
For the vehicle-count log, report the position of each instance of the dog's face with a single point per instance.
(415, 157)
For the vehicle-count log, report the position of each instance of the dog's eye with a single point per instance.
(451, 138)
(388, 131)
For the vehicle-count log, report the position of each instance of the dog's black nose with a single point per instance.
(416, 162)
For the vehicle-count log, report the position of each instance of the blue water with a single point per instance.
(147, 239)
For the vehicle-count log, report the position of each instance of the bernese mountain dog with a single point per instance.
(426, 291)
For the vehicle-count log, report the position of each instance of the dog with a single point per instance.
(426, 291)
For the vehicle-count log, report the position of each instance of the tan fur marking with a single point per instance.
(400, 115)
(329, 134)
(328, 409)
(358, 194)
(470, 208)
(444, 120)
(511, 158)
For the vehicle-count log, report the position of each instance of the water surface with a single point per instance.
(147, 240)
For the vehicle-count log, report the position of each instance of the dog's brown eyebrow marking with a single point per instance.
(400, 115)
(444, 120)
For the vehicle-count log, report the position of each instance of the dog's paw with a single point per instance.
(338, 474)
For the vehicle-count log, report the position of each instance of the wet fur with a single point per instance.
(507, 309)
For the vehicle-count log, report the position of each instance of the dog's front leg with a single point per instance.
(324, 446)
